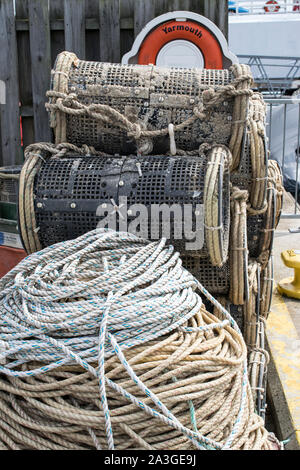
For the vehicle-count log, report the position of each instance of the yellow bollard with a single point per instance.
(291, 286)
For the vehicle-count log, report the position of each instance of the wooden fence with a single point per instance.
(33, 32)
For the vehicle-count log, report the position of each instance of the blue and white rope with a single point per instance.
(82, 301)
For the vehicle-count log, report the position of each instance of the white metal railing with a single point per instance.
(283, 131)
(257, 7)
(273, 75)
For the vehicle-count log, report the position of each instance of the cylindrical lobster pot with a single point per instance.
(232, 278)
(261, 226)
(215, 279)
(258, 357)
(236, 311)
(258, 360)
(184, 199)
(129, 108)
(252, 307)
(248, 314)
(252, 173)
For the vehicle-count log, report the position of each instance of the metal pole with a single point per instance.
(270, 126)
(297, 163)
(284, 132)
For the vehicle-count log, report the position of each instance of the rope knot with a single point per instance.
(239, 194)
(135, 131)
(68, 100)
(199, 111)
(208, 95)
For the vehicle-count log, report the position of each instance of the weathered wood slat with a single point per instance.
(109, 30)
(21, 9)
(24, 58)
(217, 12)
(57, 33)
(203, 7)
(222, 17)
(90, 24)
(91, 8)
(28, 131)
(56, 9)
(75, 27)
(40, 65)
(92, 37)
(9, 112)
(24, 71)
(179, 5)
(144, 11)
(126, 25)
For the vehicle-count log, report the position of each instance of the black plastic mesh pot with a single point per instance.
(73, 194)
(243, 175)
(214, 279)
(261, 229)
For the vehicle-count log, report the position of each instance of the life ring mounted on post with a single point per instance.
(181, 39)
(271, 6)
(168, 34)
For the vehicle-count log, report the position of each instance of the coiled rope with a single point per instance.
(104, 342)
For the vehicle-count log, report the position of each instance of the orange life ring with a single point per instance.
(188, 30)
(273, 6)
(296, 6)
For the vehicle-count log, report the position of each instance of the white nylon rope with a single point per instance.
(82, 301)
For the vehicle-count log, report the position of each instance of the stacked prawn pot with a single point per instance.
(166, 152)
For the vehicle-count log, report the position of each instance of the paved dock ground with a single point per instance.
(283, 335)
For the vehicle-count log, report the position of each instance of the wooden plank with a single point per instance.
(223, 17)
(92, 20)
(21, 9)
(177, 5)
(57, 28)
(162, 6)
(28, 131)
(24, 57)
(75, 27)
(109, 21)
(92, 36)
(9, 112)
(126, 26)
(144, 11)
(92, 8)
(217, 12)
(40, 65)
(24, 72)
(197, 6)
(126, 8)
(56, 9)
